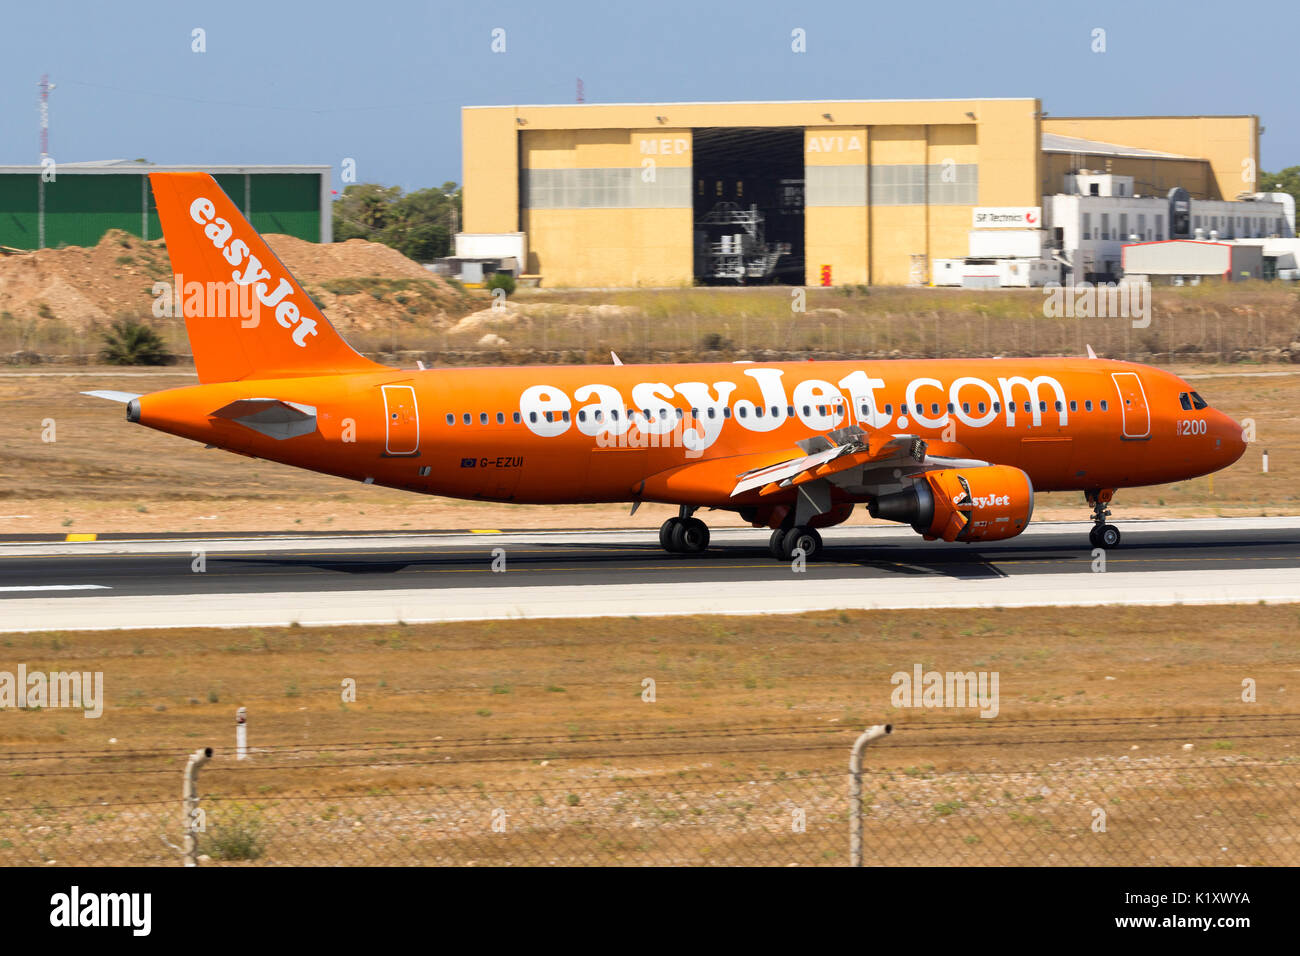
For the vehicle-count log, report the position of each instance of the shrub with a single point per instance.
(128, 342)
(501, 280)
(236, 834)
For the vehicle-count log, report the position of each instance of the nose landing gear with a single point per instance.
(684, 534)
(1102, 535)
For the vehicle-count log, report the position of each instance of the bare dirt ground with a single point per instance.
(1137, 712)
(102, 474)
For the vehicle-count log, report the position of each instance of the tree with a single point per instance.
(128, 342)
(1287, 181)
(419, 224)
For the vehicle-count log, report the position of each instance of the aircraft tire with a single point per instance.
(798, 537)
(666, 535)
(690, 536)
(1108, 537)
(774, 544)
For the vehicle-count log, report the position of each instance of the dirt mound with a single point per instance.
(358, 284)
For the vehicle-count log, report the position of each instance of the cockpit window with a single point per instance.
(1198, 402)
(1185, 401)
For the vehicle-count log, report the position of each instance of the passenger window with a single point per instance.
(1087, 406)
(789, 411)
(997, 407)
(451, 419)
(776, 411)
(807, 411)
(743, 412)
(934, 408)
(821, 409)
(1103, 404)
(564, 415)
(582, 415)
(532, 417)
(889, 408)
(712, 412)
(599, 415)
(1198, 402)
(517, 418)
(952, 408)
(695, 413)
(1027, 408)
(680, 414)
(965, 407)
(1042, 406)
(468, 418)
(550, 416)
(613, 414)
(482, 418)
(864, 408)
(1185, 401)
(726, 411)
(758, 411)
(501, 418)
(1074, 405)
(1059, 406)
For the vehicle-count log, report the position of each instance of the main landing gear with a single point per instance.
(684, 534)
(785, 541)
(1102, 535)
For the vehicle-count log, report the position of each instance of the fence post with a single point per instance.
(189, 793)
(855, 789)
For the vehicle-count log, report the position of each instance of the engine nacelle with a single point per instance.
(984, 503)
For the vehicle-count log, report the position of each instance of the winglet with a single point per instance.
(614, 356)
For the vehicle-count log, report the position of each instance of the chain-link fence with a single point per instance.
(1009, 806)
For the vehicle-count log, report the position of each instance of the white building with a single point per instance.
(1098, 214)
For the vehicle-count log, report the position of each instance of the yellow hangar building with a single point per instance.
(834, 192)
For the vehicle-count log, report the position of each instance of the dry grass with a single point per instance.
(548, 719)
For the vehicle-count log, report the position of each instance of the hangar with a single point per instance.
(833, 192)
(74, 204)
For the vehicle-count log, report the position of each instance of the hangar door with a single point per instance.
(748, 187)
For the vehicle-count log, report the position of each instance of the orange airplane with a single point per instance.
(954, 448)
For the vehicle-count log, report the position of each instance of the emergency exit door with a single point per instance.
(1133, 405)
(402, 420)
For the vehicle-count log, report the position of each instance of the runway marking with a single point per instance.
(61, 587)
(484, 530)
(81, 536)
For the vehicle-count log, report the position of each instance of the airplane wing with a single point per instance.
(850, 449)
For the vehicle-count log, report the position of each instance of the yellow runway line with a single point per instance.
(84, 536)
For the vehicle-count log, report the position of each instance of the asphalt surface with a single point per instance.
(167, 567)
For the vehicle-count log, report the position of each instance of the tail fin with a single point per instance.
(245, 314)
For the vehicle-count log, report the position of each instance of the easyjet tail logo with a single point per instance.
(250, 271)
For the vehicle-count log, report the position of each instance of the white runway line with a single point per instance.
(864, 533)
(60, 587)
(801, 595)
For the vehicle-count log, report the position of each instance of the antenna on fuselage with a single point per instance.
(1091, 353)
(614, 356)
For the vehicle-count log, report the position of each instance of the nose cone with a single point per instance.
(1231, 444)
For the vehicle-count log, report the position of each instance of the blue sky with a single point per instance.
(382, 81)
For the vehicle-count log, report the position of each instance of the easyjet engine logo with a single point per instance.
(991, 501)
(250, 271)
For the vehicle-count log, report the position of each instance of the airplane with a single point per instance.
(954, 448)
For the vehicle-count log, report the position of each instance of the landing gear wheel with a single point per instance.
(1102, 535)
(798, 538)
(690, 536)
(666, 535)
(774, 544)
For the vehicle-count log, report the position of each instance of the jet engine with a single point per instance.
(984, 503)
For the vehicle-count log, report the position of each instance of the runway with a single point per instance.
(385, 578)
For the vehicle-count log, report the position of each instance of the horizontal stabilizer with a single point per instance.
(113, 396)
(271, 416)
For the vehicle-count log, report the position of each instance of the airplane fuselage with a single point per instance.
(571, 434)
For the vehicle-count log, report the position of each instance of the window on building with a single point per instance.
(1105, 225)
(1160, 226)
(1087, 225)
(1123, 225)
